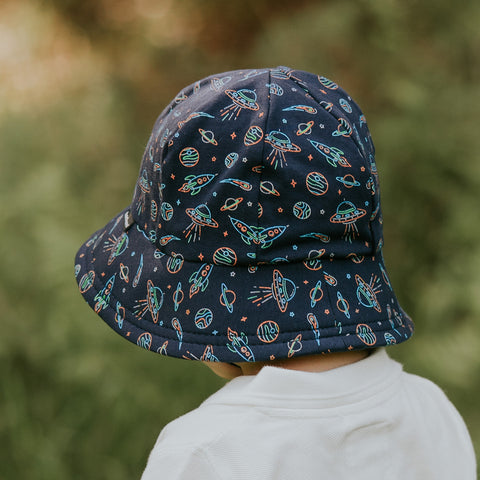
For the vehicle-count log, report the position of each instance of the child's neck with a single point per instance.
(307, 363)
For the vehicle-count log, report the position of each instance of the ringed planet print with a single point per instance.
(255, 230)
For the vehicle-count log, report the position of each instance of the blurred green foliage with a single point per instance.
(81, 84)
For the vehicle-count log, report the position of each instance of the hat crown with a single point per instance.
(260, 166)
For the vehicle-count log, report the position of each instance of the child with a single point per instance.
(253, 243)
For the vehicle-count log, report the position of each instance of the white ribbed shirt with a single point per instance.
(367, 420)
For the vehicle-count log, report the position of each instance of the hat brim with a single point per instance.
(234, 313)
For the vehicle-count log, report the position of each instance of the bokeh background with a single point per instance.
(81, 83)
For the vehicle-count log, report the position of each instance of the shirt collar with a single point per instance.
(292, 388)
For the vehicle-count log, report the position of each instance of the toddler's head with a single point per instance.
(255, 230)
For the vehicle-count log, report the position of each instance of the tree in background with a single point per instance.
(80, 86)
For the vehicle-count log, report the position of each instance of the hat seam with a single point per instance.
(331, 113)
(171, 335)
(260, 177)
(246, 265)
(359, 148)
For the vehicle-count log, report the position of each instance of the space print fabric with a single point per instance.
(255, 230)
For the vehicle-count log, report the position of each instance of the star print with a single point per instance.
(272, 357)
(243, 319)
(339, 192)
(244, 159)
(232, 274)
(305, 282)
(292, 314)
(293, 183)
(249, 204)
(215, 332)
(201, 257)
(362, 169)
(187, 312)
(172, 176)
(349, 276)
(295, 247)
(322, 212)
(280, 210)
(178, 202)
(214, 159)
(322, 125)
(225, 234)
(327, 311)
(310, 157)
(233, 135)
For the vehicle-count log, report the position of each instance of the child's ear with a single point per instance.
(224, 370)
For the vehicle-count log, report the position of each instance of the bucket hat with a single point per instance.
(255, 229)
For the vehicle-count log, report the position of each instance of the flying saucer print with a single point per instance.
(201, 217)
(282, 290)
(281, 144)
(241, 99)
(367, 292)
(347, 213)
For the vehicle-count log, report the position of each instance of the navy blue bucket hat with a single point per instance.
(255, 230)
